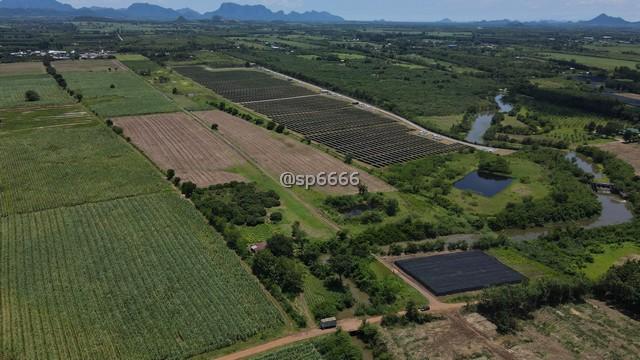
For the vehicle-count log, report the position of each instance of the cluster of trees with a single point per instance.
(337, 346)
(371, 336)
(31, 96)
(235, 202)
(593, 103)
(504, 305)
(625, 79)
(621, 286)
(494, 164)
(404, 230)
(570, 249)
(571, 197)
(364, 207)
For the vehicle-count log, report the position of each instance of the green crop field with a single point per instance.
(60, 166)
(39, 117)
(304, 350)
(130, 96)
(594, 61)
(136, 278)
(13, 88)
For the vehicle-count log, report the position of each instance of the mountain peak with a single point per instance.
(233, 11)
(36, 4)
(606, 20)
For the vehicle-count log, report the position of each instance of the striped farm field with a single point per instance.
(304, 350)
(176, 141)
(60, 166)
(13, 88)
(278, 154)
(135, 278)
(130, 94)
(25, 118)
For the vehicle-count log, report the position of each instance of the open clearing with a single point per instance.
(13, 88)
(627, 152)
(130, 95)
(176, 141)
(589, 331)
(48, 116)
(134, 278)
(59, 166)
(278, 153)
(23, 68)
(614, 254)
(87, 65)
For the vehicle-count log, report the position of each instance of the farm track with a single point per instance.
(175, 141)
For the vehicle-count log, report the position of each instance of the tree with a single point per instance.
(214, 127)
(342, 265)
(391, 207)
(348, 159)
(170, 174)
(31, 96)
(112, 86)
(174, 91)
(281, 245)
(271, 125)
(109, 122)
(494, 164)
(280, 129)
(187, 188)
(362, 189)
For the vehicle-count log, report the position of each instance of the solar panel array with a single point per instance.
(374, 139)
(459, 272)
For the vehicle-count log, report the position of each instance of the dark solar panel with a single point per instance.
(459, 272)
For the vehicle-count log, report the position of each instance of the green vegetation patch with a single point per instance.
(13, 89)
(130, 95)
(134, 278)
(404, 293)
(39, 117)
(304, 350)
(517, 261)
(611, 255)
(59, 166)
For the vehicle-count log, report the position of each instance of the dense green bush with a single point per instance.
(621, 286)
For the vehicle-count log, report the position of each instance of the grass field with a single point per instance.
(612, 255)
(593, 61)
(442, 123)
(292, 210)
(16, 119)
(13, 88)
(59, 166)
(135, 278)
(130, 96)
(518, 262)
(403, 291)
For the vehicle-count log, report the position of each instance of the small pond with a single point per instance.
(483, 183)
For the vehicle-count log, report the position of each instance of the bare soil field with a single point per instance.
(278, 153)
(88, 65)
(588, 331)
(451, 338)
(21, 68)
(627, 152)
(176, 141)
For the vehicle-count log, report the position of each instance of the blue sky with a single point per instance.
(421, 10)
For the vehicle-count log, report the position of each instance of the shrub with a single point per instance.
(214, 127)
(31, 96)
(170, 174)
(271, 125)
(280, 129)
(118, 130)
(275, 217)
(109, 122)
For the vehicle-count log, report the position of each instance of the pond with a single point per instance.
(484, 184)
(482, 123)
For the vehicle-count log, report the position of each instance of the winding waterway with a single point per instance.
(482, 123)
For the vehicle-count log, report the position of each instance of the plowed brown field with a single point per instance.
(176, 141)
(627, 152)
(278, 153)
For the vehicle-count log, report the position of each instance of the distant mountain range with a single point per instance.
(235, 12)
(149, 12)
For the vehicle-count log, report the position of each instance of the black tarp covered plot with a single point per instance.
(459, 272)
